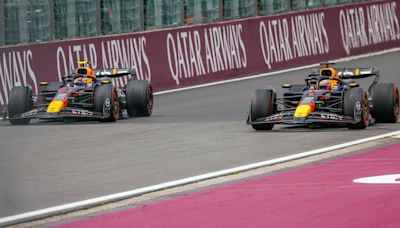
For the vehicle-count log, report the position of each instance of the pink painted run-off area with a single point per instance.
(318, 195)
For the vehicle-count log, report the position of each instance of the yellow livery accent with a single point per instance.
(353, 84)
(328, 72)
(55, 106)
(302, 110)
(83, 63)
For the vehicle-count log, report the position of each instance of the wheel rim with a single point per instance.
(115, 105)
(149, 100)
(396, 103)
(365, 109)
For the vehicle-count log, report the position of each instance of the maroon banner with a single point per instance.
(184, 56)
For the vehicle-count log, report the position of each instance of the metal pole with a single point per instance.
(98, 18)
(2, 26)
(255, 8)
(52, 19)
(141, 15)
(221, 10)
(183, 16)
(22, 22)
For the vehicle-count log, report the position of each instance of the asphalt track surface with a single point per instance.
(192, 132)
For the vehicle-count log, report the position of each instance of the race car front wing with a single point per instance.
(67, 112)
(314, 117)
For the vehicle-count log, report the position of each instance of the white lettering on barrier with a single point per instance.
(15, 67)
(224, 49)
(67, 63)
(309, 38)
(359, 29)
(118, 53)
(173, 69)
(127, 53)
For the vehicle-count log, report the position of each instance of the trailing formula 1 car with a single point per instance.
(329, 96)
(84, 94)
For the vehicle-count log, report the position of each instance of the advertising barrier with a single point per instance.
(179, 57)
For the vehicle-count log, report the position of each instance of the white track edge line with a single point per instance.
(47, 212)
(345, 59)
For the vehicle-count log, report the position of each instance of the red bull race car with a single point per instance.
(84, 94)
(329, 96)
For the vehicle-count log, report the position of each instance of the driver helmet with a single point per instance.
(325, 84)
(79, 82)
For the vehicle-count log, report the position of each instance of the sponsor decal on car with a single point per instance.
(331, 116)
(358, 106)
(82, 112)
(107, 105)
(30, 113)
(278, 116)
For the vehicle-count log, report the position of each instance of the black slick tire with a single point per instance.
(385, 102)
(139, 98)
(101, 94)
(356, 98)
(262, 105)
(20, 101)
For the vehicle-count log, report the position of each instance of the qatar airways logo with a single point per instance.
(299, 36)
(116, 53)
(16, 70)
(196, 53)
(364, 26)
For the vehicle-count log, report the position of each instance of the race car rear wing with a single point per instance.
(356, 73)
(116, 73)
(103, 73)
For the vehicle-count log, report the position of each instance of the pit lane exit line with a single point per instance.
(43, 213)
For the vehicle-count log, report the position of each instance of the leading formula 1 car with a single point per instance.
(329, 96)
(84, 94)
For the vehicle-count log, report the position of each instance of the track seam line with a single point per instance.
(61, 209)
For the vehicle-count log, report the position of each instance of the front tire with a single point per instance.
(262, 105)
(139, 98)
(20, 102)
(385, 102)
(102, 105)
(356, 99)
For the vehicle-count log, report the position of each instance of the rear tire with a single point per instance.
(356, 97)
(139, 98)
(20, 102)
(262, 105)
(102, 93)
(385, 102)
